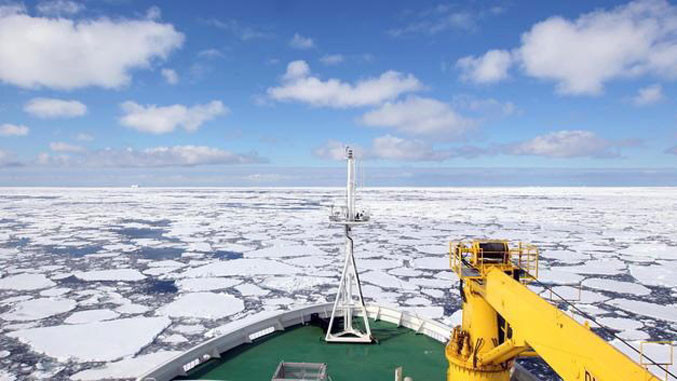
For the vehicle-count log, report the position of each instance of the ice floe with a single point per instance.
(90, 316)
(126, 368)
(658, 311)
(249, 289)
(25, 282)
(123, 275)
(285, 251)
(611, 285)
(206, 284)
(242, 267)
(39, 308)
(99, 341)
(205, 305)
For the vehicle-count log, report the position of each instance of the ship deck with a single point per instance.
(421, 357)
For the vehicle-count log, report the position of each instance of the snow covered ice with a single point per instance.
(151, 272)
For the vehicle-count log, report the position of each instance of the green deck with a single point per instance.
(421, 357)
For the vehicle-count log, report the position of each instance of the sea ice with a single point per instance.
(241, 267)
(574, 294)
(608, 266)
(40, 308)
(611, 285)
(123, 275)
(125, 368)
(25, 282)
(285, 251)
(431, 263)
(90, 316)
(99, 341)
(205, 305)
(296, 283)
(655, 275)
(620, 324)
(206, 284)
(249, 289)
(382, 279)
(658, 311)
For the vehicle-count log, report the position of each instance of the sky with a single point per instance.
(269, 93)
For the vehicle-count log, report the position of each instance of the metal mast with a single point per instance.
(349, 300)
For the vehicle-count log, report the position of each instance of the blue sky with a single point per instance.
(108, 92)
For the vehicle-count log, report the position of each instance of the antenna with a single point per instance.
(349, 299)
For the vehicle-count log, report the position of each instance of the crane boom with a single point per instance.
(503, 319)
(571, 349)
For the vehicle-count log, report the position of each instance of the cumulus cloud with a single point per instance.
(393, 148)
(13, 130)
(6, 159)
(390, 147)
(300, 86)
(170, 76)
(491, 67)
(154, 13)
(581, 55)
(48, 108)
(487, 107)
(648, 95)
(243, 32)
(65, 147)
(59, 8)
(567, 144)
(336, 150)
(301, 42)
(173, 156)
(420, 116)
(65, 54)
(435, 20)
(83, 137)
(163, 119)
(332, 59)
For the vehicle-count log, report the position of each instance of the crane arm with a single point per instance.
(571, 349)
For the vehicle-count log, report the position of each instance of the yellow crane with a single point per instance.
(504, 319)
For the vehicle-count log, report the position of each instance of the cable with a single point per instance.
(605, 329)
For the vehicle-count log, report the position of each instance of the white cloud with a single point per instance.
(332, 59)
(390, 147)
(394, 148)
(420, 116)
(491, 67)
(581, 55)
(154, 13)
(298, 85)
(243, 32)
(210, 53)
(336, 150)
(648, 95)
(13, 130)
(7, 159)
(59, 8)
(55, 108)
(170, 76)
(174, 156)
(83, 137)
(487, 107)
(164, 119)
(672, 150)
(65, 147)
(566, 144)
(300, 42)
(435, 20)
(65, 54)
